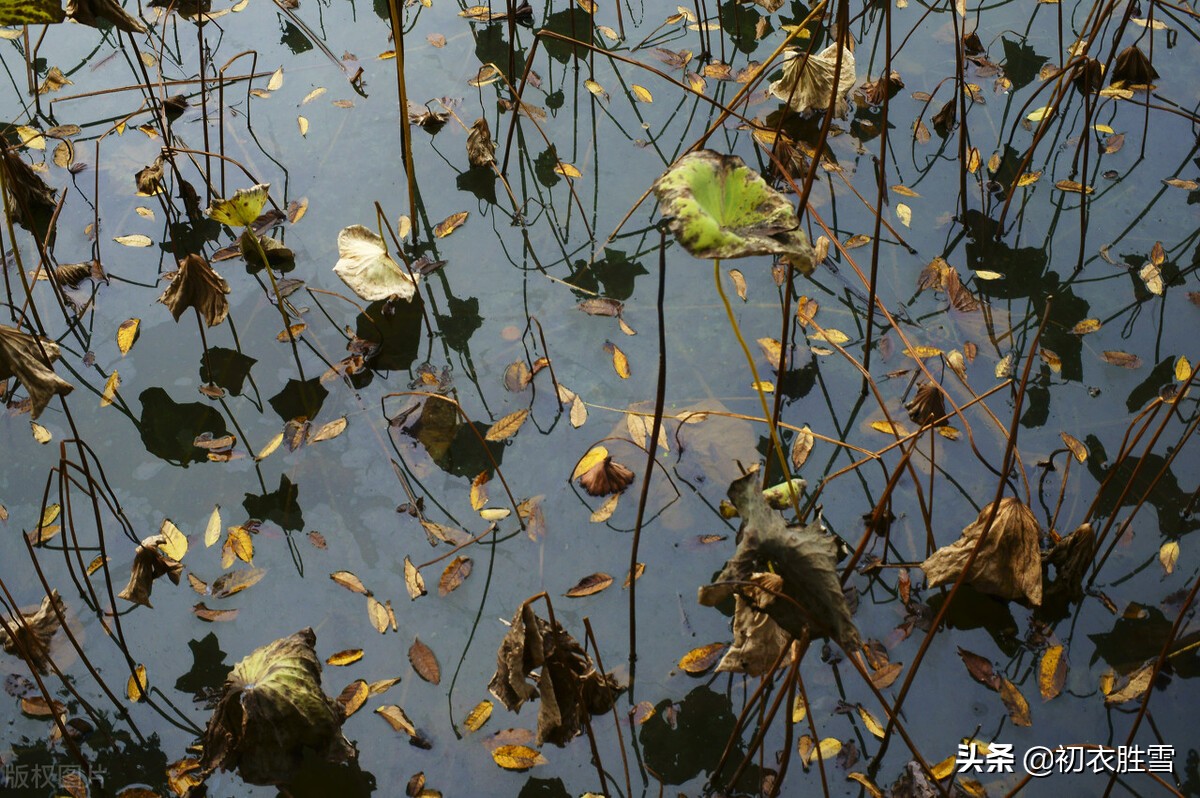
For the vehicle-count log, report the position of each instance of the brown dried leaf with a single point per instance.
(424, 662)
(589, 585)
(1008, 564)
(454, 575)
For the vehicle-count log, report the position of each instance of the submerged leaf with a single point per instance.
(720, 208)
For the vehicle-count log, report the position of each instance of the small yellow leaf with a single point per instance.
(40, 433)
(1052, 672)
(567, 170)
(127, 333)
(450, 224)
(836, 337)
(176, 544)
(869, 721)
(1028, 178)
(347, 657)
(699, 660)
(1183, 369)
(478, 716)
(1078, 450)
(642, 94)
(271, 446)
(1168, 555)
(904, 214)
(507, 426)
(134, 240)
(620, 362)
(241, 544)
(889, 428)
(799, 709)
(137, 686)
(312, 95)
(276, 80)
(331, 430)
(974, 161)
(904, 191)
(302, 122)
(517, 757)
(605, 511)
(1086, 326)
(378, 614)
(1038, 114)
(922, 352)
(595, 88)
(110, 389)
(594, 456)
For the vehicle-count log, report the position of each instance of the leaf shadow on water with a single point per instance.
(678, 752)
(169, 428)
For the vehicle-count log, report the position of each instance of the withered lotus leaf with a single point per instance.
(87, 12)
(21, 356)
(606, 477)
(807, 84)
(1009, 563)
(149, 563)
(570, 687)
(31, 634)
(810, 596)
(1133, 69)
(757, 640)
(272, 713)
(197, 285)
(31, 195)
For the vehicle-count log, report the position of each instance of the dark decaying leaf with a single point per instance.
(481, 150)
(757, 640)
(21, 356)
(1009, 562)
(1133, 68)
(197, 285)
(30, 194)
(149, 178)
(273, 713)
(31, 634)
(149, 563)
(570, 687)
(88, 12)
(1071, 558)
(804, 558)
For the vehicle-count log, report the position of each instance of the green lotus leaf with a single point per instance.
(720, 208)
(30, 12)
(273, 714)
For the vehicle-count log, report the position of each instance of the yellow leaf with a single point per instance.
(836, 337)
(378, 614)
(922, 352)
(478, 716)
(495, 513)
(869, 721)
(302, 122)
(347, 657)
(517, 757)
(1073, 187)
(276, 80)
(772, 349)
(605, 511)
(699, 660)
(766, 386)
(642, 93)
(242, 208)
(134, 240)
(176, 544)
(904, 191)
(241, 544)
(271, 446)
(127, 333)
(507, 427)
(1038, 114)
(888, 428)
(567, 170)
(450, 224)
(974, 161)
(31, 137)
(40, 433)
(110, 389)
(904, 214)
(595, 455)
(620, 362)
(136, 687)
(595, 88)
(799, 709)
(1168, 555)
(349, 581)
(1086, 326)
(1076, 446)
(866, 783)
(1052, 671)
(312, 95)
(1183, 369)
(1028, 178)
(331, 430)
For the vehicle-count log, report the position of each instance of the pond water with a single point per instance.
(325, 133)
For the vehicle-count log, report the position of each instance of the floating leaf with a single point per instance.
(1086, 326)
(904, 214)
(424, 662)
(413, 581)
(378, 614)
(1122, 359)
(1008, 564)
(620, 361)
(700, 660)
(517, 757)
(450, 224)
(589, 585)
(110, 389)
(478, 716)
(720, 208)
(813, 83)
(1076, 446)
(507, 426)
(343, 658)
(137, 685)
(328, 431)
(197, 285)
(1168, 556)
(365, 266)
(134, 240)
(454, 575)
(1052, 672)
(349, 581)
(242, 208)
(641, 93)
(127, 333)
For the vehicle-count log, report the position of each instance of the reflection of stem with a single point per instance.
(762, 397)
(287, 322)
